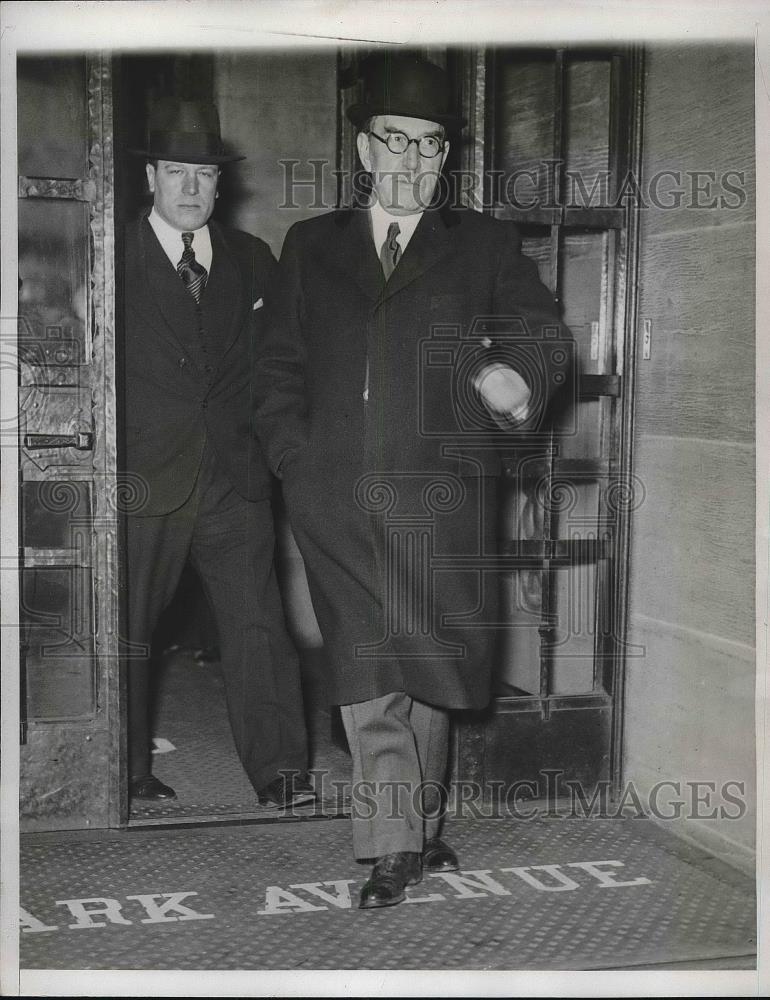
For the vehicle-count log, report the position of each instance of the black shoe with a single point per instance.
(147, 786)
(283, 792)
(390, 876)
(439, 857)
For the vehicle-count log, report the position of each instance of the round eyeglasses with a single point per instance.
(428, 146)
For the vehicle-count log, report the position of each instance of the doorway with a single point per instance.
(558, 702)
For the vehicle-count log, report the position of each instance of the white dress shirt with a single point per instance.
(381, 220)
(171, 241)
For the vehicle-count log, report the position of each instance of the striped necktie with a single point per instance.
(390, 254)
(192, 273)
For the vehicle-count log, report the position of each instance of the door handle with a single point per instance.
(81, 440)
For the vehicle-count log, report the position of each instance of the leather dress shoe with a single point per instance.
(147, 786)
(391, 874)
(284, 792)
(439, 857)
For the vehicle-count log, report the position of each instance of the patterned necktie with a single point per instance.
(391, 251)
(192, 273)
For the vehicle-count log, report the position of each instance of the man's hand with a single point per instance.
(505, 393)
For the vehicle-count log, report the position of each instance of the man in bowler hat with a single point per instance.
(380, 469)
(194, 297)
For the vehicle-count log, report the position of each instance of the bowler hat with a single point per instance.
(185, 132)
(398, 84)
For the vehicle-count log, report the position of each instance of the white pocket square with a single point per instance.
(257, 305)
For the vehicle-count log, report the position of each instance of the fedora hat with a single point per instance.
(399, 84)
(185, 132)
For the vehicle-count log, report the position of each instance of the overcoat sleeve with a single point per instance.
(540, 338)
(280, 399)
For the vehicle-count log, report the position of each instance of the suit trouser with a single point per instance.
(399, 748)
(230, 542)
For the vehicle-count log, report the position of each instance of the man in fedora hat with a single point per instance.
(380, 380)
(194, 296)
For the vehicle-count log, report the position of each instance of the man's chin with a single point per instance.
(190, 219)
(404, 206)
(406, 202)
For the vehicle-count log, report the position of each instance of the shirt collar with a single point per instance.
(381, 220)
(171, 240)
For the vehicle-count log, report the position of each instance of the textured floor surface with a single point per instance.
(544, 894)
(613, 894)
(203, 767)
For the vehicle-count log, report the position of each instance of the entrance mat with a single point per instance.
(548, 894)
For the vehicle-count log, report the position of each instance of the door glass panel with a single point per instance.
(58, 642)
(519, 654)
(583, 287)
(574, 509)
(54, 291)
(586, 131)
(522, 590)
(583, 256)
(536, 243)
(524, 126)
(573, 655)
(52, 117)
(50, 511)
(573, 597)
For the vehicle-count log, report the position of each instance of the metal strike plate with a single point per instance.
(647, 340)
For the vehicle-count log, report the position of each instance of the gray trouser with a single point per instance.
(399, 747)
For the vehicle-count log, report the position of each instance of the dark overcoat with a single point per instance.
(178, 394)
(367, 410)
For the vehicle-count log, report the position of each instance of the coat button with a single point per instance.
(182, 362)
(204, 404)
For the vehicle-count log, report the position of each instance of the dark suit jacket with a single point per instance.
(461, 296)
(177, 395)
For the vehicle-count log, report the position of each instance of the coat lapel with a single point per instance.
(431, 240)
(223, 294)
(169, 307)
(355, 254)
(169, 299)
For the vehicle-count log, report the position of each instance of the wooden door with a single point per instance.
(70, 732)
(555, 147)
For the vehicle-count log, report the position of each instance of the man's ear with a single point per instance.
(150, 171)
(362, 144)
(445, 154)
